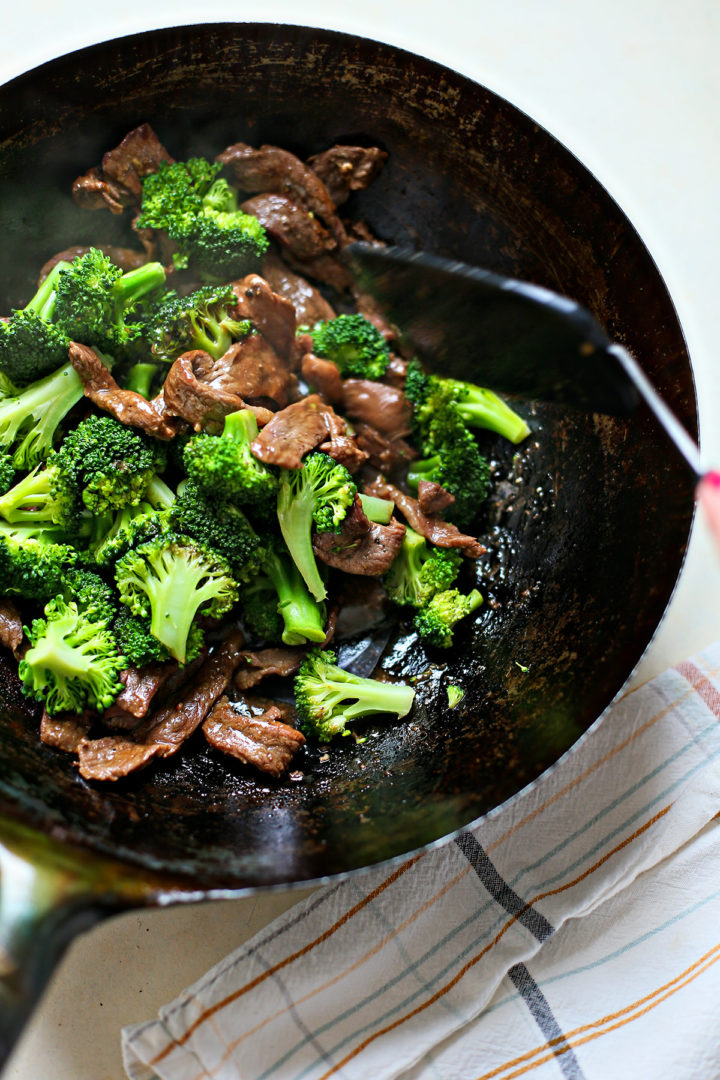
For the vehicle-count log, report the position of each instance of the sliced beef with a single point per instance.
(66, 731)
(362, 546)
(343, 169)
(256, 666)
(368, 306)
(309, 304)
(11, 625)
(125, 405)
(433, 528)
(263, 741)
(383, 453)
(125, 258)
(290, 225)
(384, 407)
(270, 313)
(254, 371)
(140, 685)
(433, 498)
(272, 169)
(328, 269)
(113, 757)
(322, 376)
(345, 450)
(187, 394)
(294, 431)
(117, 183)
(396, 372)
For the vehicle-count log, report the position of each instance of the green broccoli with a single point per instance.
(200, 213)
(303, 618)
(431, 395)
(220, 526)
(128, 528)
(172, 580)
(328, 698)
(260, 610)
(225, 465)
(204, 319)
(73, 662)
(135, 641)
(319, 494)
(7, 472)
(139, 379)
(42, 498)
(94, 597)
(455, 462)
(29, 419)
(420, 570)
(31, 346)
(34, 561)
(353, 344)
(435, 621)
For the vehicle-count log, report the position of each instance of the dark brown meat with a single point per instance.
(345, 450)
(263, 741)
(322, 376)
(272, 169)
(290, 225)
(384, 407)
(361, 547)
(188, 395)
(11, 625)
(384, 454)
(254, 371)
(125, 258)
(256, 666)
(270, 313)
(296, 430)
(117, 183)
(343, 169)
(309, 304)
(66, 731)
(396, 372)
(125, 405)
(433, 498)
(140, 685)
(433, 528)
(113, 757)
(328, 269)
(368, 306)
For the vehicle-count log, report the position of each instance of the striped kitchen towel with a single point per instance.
(573, 932)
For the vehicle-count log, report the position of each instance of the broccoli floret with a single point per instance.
(140, 378)
(420, 570)
(31, 346)
(221, 526)
(73, 662)
(204, 319)
(111, 464)
(328, 698)
(94, 597)
(260, 610)
(7, 472)
(456, 463)
(29, 420)
(435, 622)
(303, 618)
(34, 561)
(477, 407)
(171, 581)
(135, 641)
(225, 465)
(130, 527)
(200, 213)
(318, 494)
(42, 498)
(354, 344)
(95, 301)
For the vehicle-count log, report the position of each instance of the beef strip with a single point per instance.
(322, 376)
(396, 372)
(263, 741)
(258, 665)
(187, 394)
(361, 547)
(253, 370)
(433, 528)
(328, 269)
(343, 169)
(433, 498)
(294, 431)
(11, 625)
(309, 304)
(384, 407)
(290, 225)
(125, 258)
(384, 454)
(270, 313)
(140, 685)
(117, 183)
(272, 169)
(113, 757)
(125, 405)
(66, 731)
(345, 450)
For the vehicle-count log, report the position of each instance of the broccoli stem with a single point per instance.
(378, 510)
(134, 284)
(303, 618)
(158, 494)
(177, 593)
(295, 517)
(241, 427)
(372, 696)
(484, 409)
(140, 379)
(36, 413)
(43, 302)
(30, 500)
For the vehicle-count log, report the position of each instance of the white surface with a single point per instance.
(633, 90)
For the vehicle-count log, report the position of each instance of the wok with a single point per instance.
(586, 529)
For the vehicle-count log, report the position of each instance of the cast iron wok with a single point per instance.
(586, 529)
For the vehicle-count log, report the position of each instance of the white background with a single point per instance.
(632, 87)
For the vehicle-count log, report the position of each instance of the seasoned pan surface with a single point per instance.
(589, 520)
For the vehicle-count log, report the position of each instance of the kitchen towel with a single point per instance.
(574, 932)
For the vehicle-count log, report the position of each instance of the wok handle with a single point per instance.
(49, 893)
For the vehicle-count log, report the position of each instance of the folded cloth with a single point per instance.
(573, 932)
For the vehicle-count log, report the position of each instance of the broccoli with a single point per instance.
(375, 509)
(34, 561)
(73, 662)
(200, 213)
(435, 621)
(95, 300)
(477, 407)
(204, 319)
(135, 641)
(456, 463)
(172, 580)
(220, 526)
(42, 498)
(303, 618)
(328, 698)
(7, 472)
(139, 379)
(92, 595)
(318, 494)
(30, 344)
(29, 419)
(260, 610)
(353, 344)
(225, 465)
(420, 570)
(130, 527)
